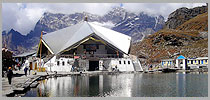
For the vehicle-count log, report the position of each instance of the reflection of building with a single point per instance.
(95, 47)
(185, 63)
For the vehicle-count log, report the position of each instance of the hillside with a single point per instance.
(200, 23)
(189, 39)
(165, 43)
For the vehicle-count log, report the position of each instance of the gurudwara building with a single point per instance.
(87, 47)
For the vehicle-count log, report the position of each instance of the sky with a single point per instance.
(23, 17)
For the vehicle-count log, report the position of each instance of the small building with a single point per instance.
(200, 62)
(167, 63)
(22, 57)
(7, 60)
(27, 59)
(182, 62)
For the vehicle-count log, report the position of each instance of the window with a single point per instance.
(63, 63)
(195, 61)
(191, 61)
(68, 62)
(124, 62)
(206, 61)
(119, 62)
(97, 46)
(188, 61)
(84, 46)
(58, 63)
(128, 62)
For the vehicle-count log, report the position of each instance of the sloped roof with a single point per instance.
(26, 54)
(181, 57)
(62, 39)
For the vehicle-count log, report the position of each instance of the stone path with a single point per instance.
(18, 79)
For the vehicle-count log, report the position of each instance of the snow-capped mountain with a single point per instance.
(117, 19)
(135, 25)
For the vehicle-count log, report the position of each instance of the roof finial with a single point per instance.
(86, 18)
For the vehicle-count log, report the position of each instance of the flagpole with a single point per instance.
(40, 50)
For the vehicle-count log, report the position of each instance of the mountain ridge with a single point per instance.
(133, 24)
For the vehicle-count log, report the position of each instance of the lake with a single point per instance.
(124, 85)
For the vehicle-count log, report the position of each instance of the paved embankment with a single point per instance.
(20, 82)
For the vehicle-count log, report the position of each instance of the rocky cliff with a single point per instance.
(182, 15)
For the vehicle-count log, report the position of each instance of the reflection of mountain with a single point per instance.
(136, 25)
(189, 38)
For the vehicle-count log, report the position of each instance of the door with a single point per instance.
(93, 65)
(31, 65)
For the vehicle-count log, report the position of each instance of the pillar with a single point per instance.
(100, 64)
(184, 64)
(177, 63)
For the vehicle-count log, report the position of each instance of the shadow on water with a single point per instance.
(124, 85)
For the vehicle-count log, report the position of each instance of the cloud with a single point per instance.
(18, 17)
(106, 24)
(23, 16)
(163, 9)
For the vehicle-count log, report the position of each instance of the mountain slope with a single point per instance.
(14, 41)
(189, 39)
(200, 23)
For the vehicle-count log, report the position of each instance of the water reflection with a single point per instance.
(124, 85)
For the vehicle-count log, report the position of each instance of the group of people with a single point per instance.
(10, 73)
(27, 69)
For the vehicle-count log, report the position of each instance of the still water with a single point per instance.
(124, 85)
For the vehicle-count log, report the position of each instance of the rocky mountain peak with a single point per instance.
(183, 14)
(135, 25)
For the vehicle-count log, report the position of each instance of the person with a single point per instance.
(18, 65)
(116, 68)
(25, 70)
(29, 70)
(9, 75)
(72, 68)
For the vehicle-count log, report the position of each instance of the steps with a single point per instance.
(137, 65)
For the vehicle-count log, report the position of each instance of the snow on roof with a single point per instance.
(62, 39)
(26, 54)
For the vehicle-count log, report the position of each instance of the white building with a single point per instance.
(88, 47)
